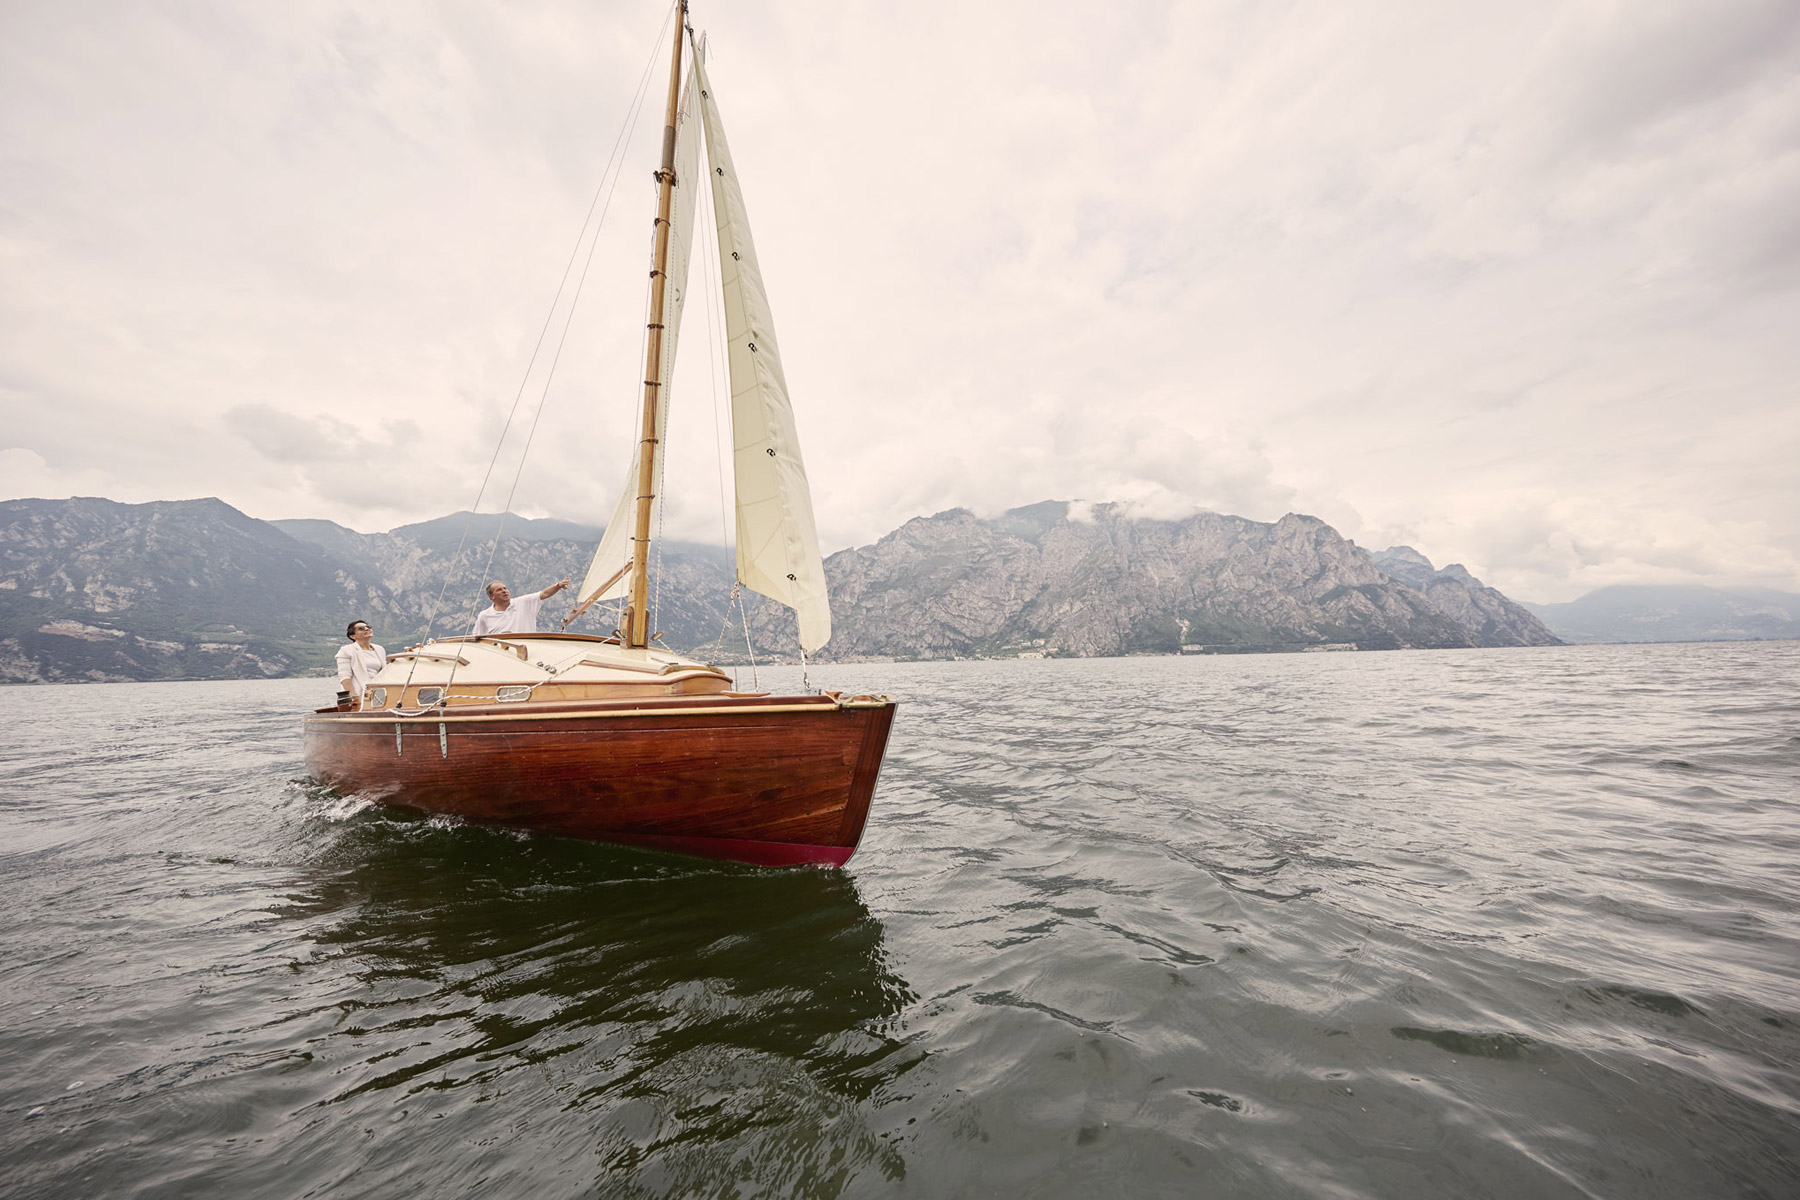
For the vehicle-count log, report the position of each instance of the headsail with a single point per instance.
(615, 549)
(777, 542)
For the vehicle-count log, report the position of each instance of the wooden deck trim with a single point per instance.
(385, 716)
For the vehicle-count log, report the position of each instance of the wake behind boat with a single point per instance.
(612, 738)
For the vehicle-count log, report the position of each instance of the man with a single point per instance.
(509, 614)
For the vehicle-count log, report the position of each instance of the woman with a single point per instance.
(358, 661)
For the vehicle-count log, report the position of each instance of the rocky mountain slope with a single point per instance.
(95, 590)
(1490, 617)
(1048, 580)
(437, 570)
(1674, 613)
(91, 589)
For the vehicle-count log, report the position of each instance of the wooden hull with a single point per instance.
(775, 780)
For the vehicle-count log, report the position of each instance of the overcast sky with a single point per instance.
(1518, 284)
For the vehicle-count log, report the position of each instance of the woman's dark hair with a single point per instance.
(350, 629)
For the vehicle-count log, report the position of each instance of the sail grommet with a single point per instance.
(770, 452)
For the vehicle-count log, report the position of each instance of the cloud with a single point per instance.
(290, 440)
(1442, 270)
(29, 474)
(1562, 546)
(336, 462)
(1618, 73)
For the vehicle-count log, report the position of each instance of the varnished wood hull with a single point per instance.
(771, 780)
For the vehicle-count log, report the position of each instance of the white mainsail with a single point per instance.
(615, 550)
(777, 542)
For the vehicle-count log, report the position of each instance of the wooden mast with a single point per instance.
(637, 616)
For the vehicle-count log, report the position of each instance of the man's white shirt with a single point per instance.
(518, 617)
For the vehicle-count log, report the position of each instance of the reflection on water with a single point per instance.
(412, 1007)
(667, 1015)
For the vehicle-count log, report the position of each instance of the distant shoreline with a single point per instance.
(821, 664)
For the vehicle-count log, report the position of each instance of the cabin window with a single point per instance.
(430, 697)
(508, 694)
(377, 697)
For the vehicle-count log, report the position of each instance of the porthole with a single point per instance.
(508, 695)
(431, 697)
(378, 698)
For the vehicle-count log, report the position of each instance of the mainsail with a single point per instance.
(777, 542)
(615, 552)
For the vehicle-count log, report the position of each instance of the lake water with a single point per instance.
(1473, 923)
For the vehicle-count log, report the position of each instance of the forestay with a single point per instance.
(615, 550)
(777, 541)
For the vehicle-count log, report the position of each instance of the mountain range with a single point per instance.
(91, 589)
(1674, 613)
(1057, 579)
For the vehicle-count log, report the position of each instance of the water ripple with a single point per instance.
(1486, 923)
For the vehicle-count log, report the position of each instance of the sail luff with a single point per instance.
(777, 541)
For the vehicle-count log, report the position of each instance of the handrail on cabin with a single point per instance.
(665, 669)
(438, 654)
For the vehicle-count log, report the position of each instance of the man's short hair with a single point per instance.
(490, 587)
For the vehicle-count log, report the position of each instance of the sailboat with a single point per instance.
(613, 738)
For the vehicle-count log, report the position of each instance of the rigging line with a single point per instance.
(637, 425)
(563, 336)
(724, 624)
(656, 596)
(718, 361)
(744, 613)
(709, 252)
(718, 334)
(637, 435)
(637, 439)
(621, 147)
(615, 166)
